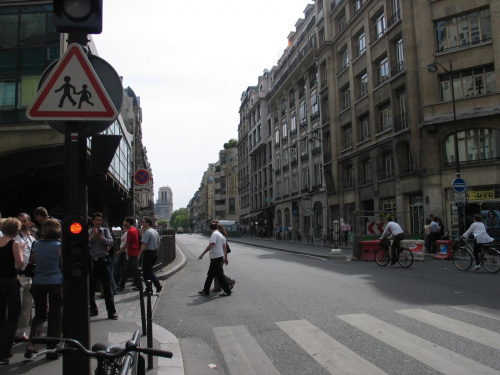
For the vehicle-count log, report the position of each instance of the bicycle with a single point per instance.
(463, 256)
(112, 359)
(403, 254)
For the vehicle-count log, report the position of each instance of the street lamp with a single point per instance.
(433, 68)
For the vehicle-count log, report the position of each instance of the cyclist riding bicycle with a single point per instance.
(478, 229)
(393, 229)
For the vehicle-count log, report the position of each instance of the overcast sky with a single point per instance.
(189, 62)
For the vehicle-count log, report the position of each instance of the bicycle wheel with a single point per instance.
(405, 258)
(491, 259)
(462, 259)
(382, 257)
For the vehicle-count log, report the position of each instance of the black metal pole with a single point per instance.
(143, 308)
(75, 318)
(149, 293)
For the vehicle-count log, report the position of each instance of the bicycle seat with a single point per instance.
(108, 347)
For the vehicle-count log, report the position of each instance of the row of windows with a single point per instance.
(28, 45)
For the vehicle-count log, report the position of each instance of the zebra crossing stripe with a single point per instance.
(432, 355)
(469, 331)
(480, 310)
(329, 353)
(242, 353)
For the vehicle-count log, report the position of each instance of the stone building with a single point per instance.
(356, 118)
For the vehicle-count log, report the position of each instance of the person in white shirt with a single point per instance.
(218, 255)
(394, 230)
(478, 229)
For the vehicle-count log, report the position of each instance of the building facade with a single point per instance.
(358, 121)
(31, 152)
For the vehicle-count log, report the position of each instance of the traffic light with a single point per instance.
(84, 16)
(75, 248)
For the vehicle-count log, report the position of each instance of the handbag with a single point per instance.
(29, 271)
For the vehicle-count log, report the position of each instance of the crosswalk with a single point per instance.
(243, 354)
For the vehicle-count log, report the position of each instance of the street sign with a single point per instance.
(460, 197)
(141, 177)
(459, 185)
(72, 92)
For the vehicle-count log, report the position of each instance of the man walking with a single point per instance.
(149, 246)
(132, 247)
(99, 240)
(218, 255)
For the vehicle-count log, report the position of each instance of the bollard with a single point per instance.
(141, 300)
(149, 293)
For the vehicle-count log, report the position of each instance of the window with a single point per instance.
(304, 151)
(382, 70)
(318, 174)
(347, 136)
(284, 131)
(379, 26)
(306, 178)
(388, 160)
(28, 45)
(285, 157)
(345, 97)
(314, 104)
(357, 5)
(468, 83)
(348, 180)
(401, 121)
(362, 85)
(278, 188)
(232, 206)
(303, 114)
(367, 170)
(364, 128)
(286, 186)
(295, 183)
(360, 45)
(344, 59)
(294, 153)
(277, 137)
(473, 145)
(292, 98)
(400, 61)
(389, 206)
(278, 161)
(385, 116)
(293, 125)
(465, 30)
(283, 106)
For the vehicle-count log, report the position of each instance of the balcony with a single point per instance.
(293, 133)
(277, 172)
(398, 68)
(395, 18)
(304, 157)
(277, 145)
(314, 116)
(294, 162)
(303, 125)
(401, 123)
(286, 167)
(316, 151)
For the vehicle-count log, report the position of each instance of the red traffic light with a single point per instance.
(76, 228)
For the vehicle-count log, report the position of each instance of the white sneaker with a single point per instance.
(476, 267)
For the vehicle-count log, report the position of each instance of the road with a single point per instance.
(297, 314)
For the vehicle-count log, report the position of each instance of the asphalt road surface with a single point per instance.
(297, 314)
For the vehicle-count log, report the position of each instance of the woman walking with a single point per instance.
(11, 257)
(47, 285)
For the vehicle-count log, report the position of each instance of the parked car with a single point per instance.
(180, 230)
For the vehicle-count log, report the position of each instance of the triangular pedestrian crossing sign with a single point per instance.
(72, 91)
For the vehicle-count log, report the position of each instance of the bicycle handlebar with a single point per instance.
(71, 344)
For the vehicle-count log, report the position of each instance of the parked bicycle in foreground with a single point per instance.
(112, 359)
(463, 256)
(404, 255)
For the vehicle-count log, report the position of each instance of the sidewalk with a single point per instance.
(101, 329)
(318, 248)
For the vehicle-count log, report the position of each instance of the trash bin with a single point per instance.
(417, 248)
(368, 249)
(444, 249)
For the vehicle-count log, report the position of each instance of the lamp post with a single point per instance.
(433, 68)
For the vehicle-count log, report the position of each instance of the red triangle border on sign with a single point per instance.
(74, 50)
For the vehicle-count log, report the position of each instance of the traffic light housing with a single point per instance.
(75, 249)
(83, 16)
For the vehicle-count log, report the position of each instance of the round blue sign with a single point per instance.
(459, 185)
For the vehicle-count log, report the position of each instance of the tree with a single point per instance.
(231, 144)
(162, 223)
(180, 211)
(181, 221)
